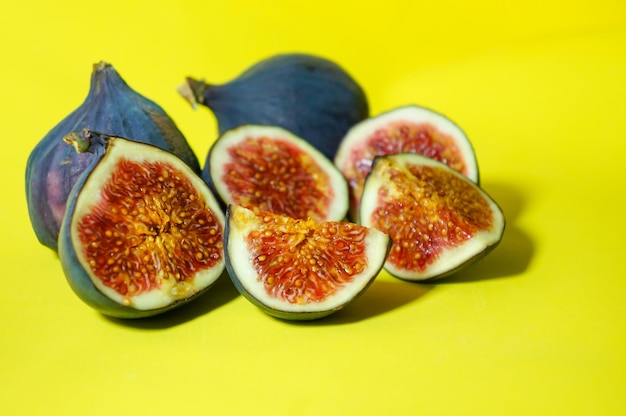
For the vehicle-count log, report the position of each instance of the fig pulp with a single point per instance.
(142, 232)
(312, 97)
(408, 129)
(273, 170)
(438, 219)
(111, 106)
(300, 269)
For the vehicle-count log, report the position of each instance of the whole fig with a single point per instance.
(113, 107)
(312, 97)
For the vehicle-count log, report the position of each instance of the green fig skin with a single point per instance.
(113, 107)
(76, 275)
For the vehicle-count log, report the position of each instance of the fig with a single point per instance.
(312, 97)
(142, 232)
(269, 168)
(300, 269)
(407, 129)
(111, 106)
(439, 220)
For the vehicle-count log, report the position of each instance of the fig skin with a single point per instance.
(312, 97)
(76, 274)
(111, 106)
(236, 256)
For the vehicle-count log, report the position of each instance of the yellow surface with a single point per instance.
(538, 327)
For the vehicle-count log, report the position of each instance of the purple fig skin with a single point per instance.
(113, 107)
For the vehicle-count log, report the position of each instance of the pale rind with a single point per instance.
(451, 258)
(243, 221)
(220, 157)
(413, 114)
(89, 196)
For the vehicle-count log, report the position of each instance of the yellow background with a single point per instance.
(537, 327)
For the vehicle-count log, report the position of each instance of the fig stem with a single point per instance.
(193, 91)
(79, 140)
(185, 91)
(83, 140)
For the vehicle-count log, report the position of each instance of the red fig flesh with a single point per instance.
(409, 129)
(438, 219)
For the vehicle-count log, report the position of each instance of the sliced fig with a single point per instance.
(142, 232)
(408, 129)
(438, 219)
(312, 97)
(269, 168)
(300, 269)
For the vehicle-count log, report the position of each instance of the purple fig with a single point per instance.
(113, 107)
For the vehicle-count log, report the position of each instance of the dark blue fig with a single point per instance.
(142, 232)
(312, 97)
(113, 107)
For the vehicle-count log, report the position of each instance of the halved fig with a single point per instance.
(300, 269)
(269, 168)
(142, 232)
(438, 219)
(408, 129)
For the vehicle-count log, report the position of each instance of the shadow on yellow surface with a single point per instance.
(221, 293)
(381, 297)
(514, 253)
